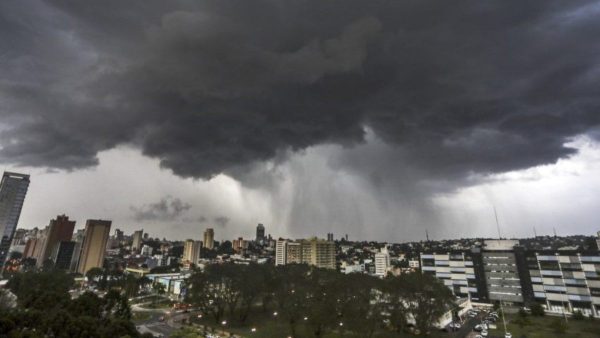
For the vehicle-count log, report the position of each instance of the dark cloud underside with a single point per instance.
(454, 88)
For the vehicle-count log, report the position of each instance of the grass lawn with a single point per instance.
(541, 327)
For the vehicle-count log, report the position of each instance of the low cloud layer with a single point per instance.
(167, 209)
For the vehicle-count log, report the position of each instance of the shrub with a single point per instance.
(559, 326)
(578, 315)
(537, 309)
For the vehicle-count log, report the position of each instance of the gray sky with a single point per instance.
(374, 118)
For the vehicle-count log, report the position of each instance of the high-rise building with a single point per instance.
(94, 245)
(319, 253)
(191, 251)
(63, 254)
(78, 239)
(502, 276)
(136, 243)
(13, 189)
(294, 253)
(260, 233)
(281, 252)
(330, 236)
(59, 229)
(314, 251)
(382, 262)
(209, 238)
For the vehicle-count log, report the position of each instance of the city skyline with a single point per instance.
(371, 121)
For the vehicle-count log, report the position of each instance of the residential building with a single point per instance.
(191, 251)
(59, 229)
(136, 242)
(146, 250)
(501, 273)
(209, 239)
(382, 262)
(260, 234)
(294, 253)
(458, 270)
(63, 254)
(319, 253)
(565, 281)
(94, 245)
(281, 252)
(13, 189)
(78, 239)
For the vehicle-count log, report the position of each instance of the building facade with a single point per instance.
(382, 263)
(59, 229)
(63, 254)
(13, 189)
(136, 240)
(260, 234)
(209, 239)
(191, 251)
(94, 245)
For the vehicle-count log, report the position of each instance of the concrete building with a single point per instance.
(565, 281)
(63, 254)
(94, 245)
(136, 241)
(209, 239)
(13, 189)
(501, 273)
(314, 251)
(146, 250)
(382, 262)
(319, 253)
(281, 252)
(457, 270)
(78, 239)
(191, 251)
(59, 229)
(260, 234)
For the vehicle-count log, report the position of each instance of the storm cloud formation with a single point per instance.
(448, 89)
(167, 209)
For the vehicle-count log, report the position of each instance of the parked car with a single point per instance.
(507, 335)
(484, 333)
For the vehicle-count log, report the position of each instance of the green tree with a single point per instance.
(537, 309)
(427, 299)
(290, 291)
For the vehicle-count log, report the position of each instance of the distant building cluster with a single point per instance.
(562, 273)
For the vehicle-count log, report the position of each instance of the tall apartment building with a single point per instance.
(319, 253)
(191, 251)
(78, 237)
(501, 272)
(382, 263)
(62, 255)
(136, 243)
(460, 271)
(59, 229)
(565, 281)
(260, 233)
(315, 252)
(13, 189)
(94, 245)
(281, 252)
(209, 238)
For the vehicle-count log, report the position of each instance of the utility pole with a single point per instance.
(534, 233)
(427, 235)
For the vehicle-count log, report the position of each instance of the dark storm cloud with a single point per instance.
(221, 221)
(167, 209)
(455, 88)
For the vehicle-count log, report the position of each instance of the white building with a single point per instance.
(382, 262)
(146, 250)
(281, 252)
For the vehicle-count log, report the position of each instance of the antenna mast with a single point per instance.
(497, 223)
